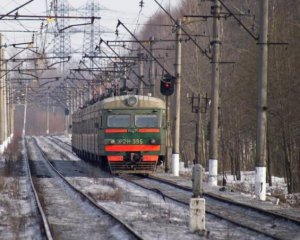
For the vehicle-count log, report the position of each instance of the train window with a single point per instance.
(146, 121)
(118, 120)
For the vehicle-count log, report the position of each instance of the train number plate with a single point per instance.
(130, 141)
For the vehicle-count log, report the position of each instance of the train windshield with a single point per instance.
(146, 121)
(118, 121)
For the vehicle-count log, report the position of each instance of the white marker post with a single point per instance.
(175, 164)
(213, 172)
(260, 183)
(197, 203)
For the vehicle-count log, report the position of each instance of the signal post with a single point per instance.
(167, 89)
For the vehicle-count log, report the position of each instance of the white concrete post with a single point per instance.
(260, 183)
(197, 214)
(175, 164)
(197, 179)
(213, 172)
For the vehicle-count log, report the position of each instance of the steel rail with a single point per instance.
(55, 140)
(36, 197)
(226, 200)
(208, 195)
(236, 222)
(88, 198)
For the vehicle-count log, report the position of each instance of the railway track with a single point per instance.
(144, 213)
(273, 213)
(62, 144)
(69, 213)
(44, 222)
(267, 223)
(272, 225)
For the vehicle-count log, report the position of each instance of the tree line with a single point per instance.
(238, 76)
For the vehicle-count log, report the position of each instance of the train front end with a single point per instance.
(134, 134)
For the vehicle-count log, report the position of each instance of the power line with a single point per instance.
(8, 14)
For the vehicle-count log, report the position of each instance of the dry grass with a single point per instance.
(13, 149)
(292, 200)
(243, 187)
(10, 187)
(185, 174)
(115, 195)
(18, 225)
(2, 183)
(279, 194)
(109, 183)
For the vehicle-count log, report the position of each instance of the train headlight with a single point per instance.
(112, 141)
(152, 141)
(131, 101)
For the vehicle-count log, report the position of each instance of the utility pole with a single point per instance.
(197, 202)
(214, 111)
(1, 100)
(67, 111)
(5, 111)
(152, 69)
(261, 130)
(1, 116)
(168, 135)
(4, 108)
(75, 100)
(11, 106)
(72, 96)
(79, 98)
(8, 110)
(71, 106)
(198, 170)
(47, 131)
(176, 141)
(25, 111)
(197, 110)
(141, 73)
(82, 97)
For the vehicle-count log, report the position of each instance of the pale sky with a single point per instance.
(128, 11)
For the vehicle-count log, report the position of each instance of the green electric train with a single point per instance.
(126, 134)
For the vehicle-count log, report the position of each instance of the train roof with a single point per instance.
(132, 101)
(127, 102)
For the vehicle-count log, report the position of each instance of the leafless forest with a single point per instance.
(238, 93)
(239, 52)
(37, 120)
